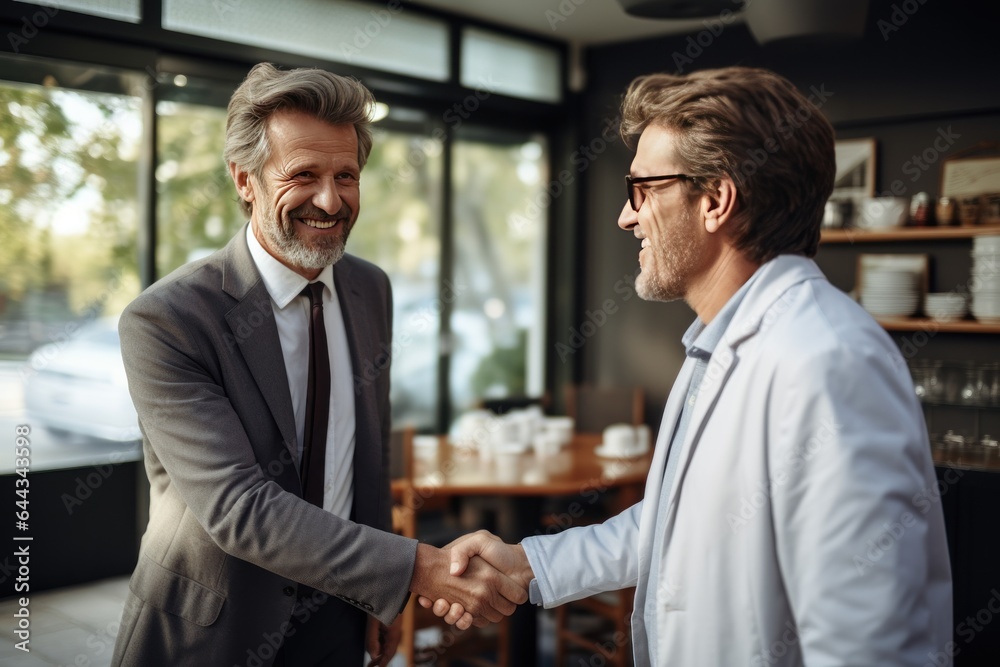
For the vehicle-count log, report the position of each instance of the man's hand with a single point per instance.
(484, 594)
(509, 559)
(381, 642)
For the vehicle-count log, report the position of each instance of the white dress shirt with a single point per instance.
(291, 315)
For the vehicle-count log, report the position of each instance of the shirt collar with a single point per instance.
(281, 282)
(700, 340)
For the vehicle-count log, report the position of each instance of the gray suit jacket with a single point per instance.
(229, 536)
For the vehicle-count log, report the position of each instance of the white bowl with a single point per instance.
(986, 244)
(881, 212)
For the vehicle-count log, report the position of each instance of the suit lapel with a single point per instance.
(720, 366)
(252, 326)
(368, 440)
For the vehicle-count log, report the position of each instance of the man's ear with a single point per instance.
(718, 204)
(241, 178)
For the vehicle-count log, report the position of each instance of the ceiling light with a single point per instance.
(679, 9)
(782, 20)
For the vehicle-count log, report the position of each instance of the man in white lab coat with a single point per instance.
(786, 518)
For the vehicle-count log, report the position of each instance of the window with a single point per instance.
(123, 10)
(497, 324)
(399, 229)
(197, 207)
(381, 36)
(510, 66)
(69, 215)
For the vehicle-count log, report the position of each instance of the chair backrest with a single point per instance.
(404, 515)
(595, 407)
(401, 453)
(501, 406)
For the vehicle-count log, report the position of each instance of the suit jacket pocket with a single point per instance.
(175, 593)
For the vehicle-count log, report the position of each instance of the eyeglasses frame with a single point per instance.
(631, 182)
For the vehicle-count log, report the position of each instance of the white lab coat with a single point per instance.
(804, 525)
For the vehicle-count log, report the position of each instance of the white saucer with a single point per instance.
(603, 451)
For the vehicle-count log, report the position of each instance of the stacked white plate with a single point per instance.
(890, 292)
(946, 306)
(985, 281)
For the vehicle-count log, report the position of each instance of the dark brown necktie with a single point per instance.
(317, 400)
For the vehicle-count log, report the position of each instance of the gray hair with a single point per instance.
(335, 99)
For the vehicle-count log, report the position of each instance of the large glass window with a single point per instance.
(386, 36)
(511, 66)
(123, 10)
(197, 208)
(399, 229)
(500, 210)
(69, 215)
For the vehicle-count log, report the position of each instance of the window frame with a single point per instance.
(147, 47)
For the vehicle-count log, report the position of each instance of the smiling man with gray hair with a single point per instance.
(268, 538)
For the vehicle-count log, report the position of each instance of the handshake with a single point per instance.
(486, 579)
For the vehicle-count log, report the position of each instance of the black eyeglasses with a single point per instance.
(637, 195)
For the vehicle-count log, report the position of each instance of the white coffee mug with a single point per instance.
(620, 439)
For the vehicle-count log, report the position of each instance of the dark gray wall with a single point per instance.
(939, 70)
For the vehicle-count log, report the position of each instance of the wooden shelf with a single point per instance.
(927, 324)
(906, 234)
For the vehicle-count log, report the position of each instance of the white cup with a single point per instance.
(425, 447)
(643, 439)
(508, 467)
(547, 444)
(562, 427)
(620, 440)
(507, 430)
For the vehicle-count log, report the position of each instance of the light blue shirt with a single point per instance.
(700, 341)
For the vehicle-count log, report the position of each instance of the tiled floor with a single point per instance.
(77, 626)
(69, 626)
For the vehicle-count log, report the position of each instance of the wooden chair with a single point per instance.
(468, 647)
(595, 407)
(404, 517)
(501, 406)
(601, 624)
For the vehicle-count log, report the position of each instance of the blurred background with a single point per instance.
(490, 198)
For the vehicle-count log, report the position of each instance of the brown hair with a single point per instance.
(753, 126)
(335, 99)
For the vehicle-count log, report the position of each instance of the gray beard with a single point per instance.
(282, 239)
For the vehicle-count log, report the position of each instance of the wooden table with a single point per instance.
(520, 482)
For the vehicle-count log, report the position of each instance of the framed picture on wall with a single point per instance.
(974, 171)
(855, 180)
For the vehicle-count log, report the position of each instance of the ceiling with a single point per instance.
(577, 22)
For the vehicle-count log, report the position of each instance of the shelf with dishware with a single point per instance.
(859, 235)
(928, 324)
(894, 288)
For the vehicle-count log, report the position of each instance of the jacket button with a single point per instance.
(288, 590)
